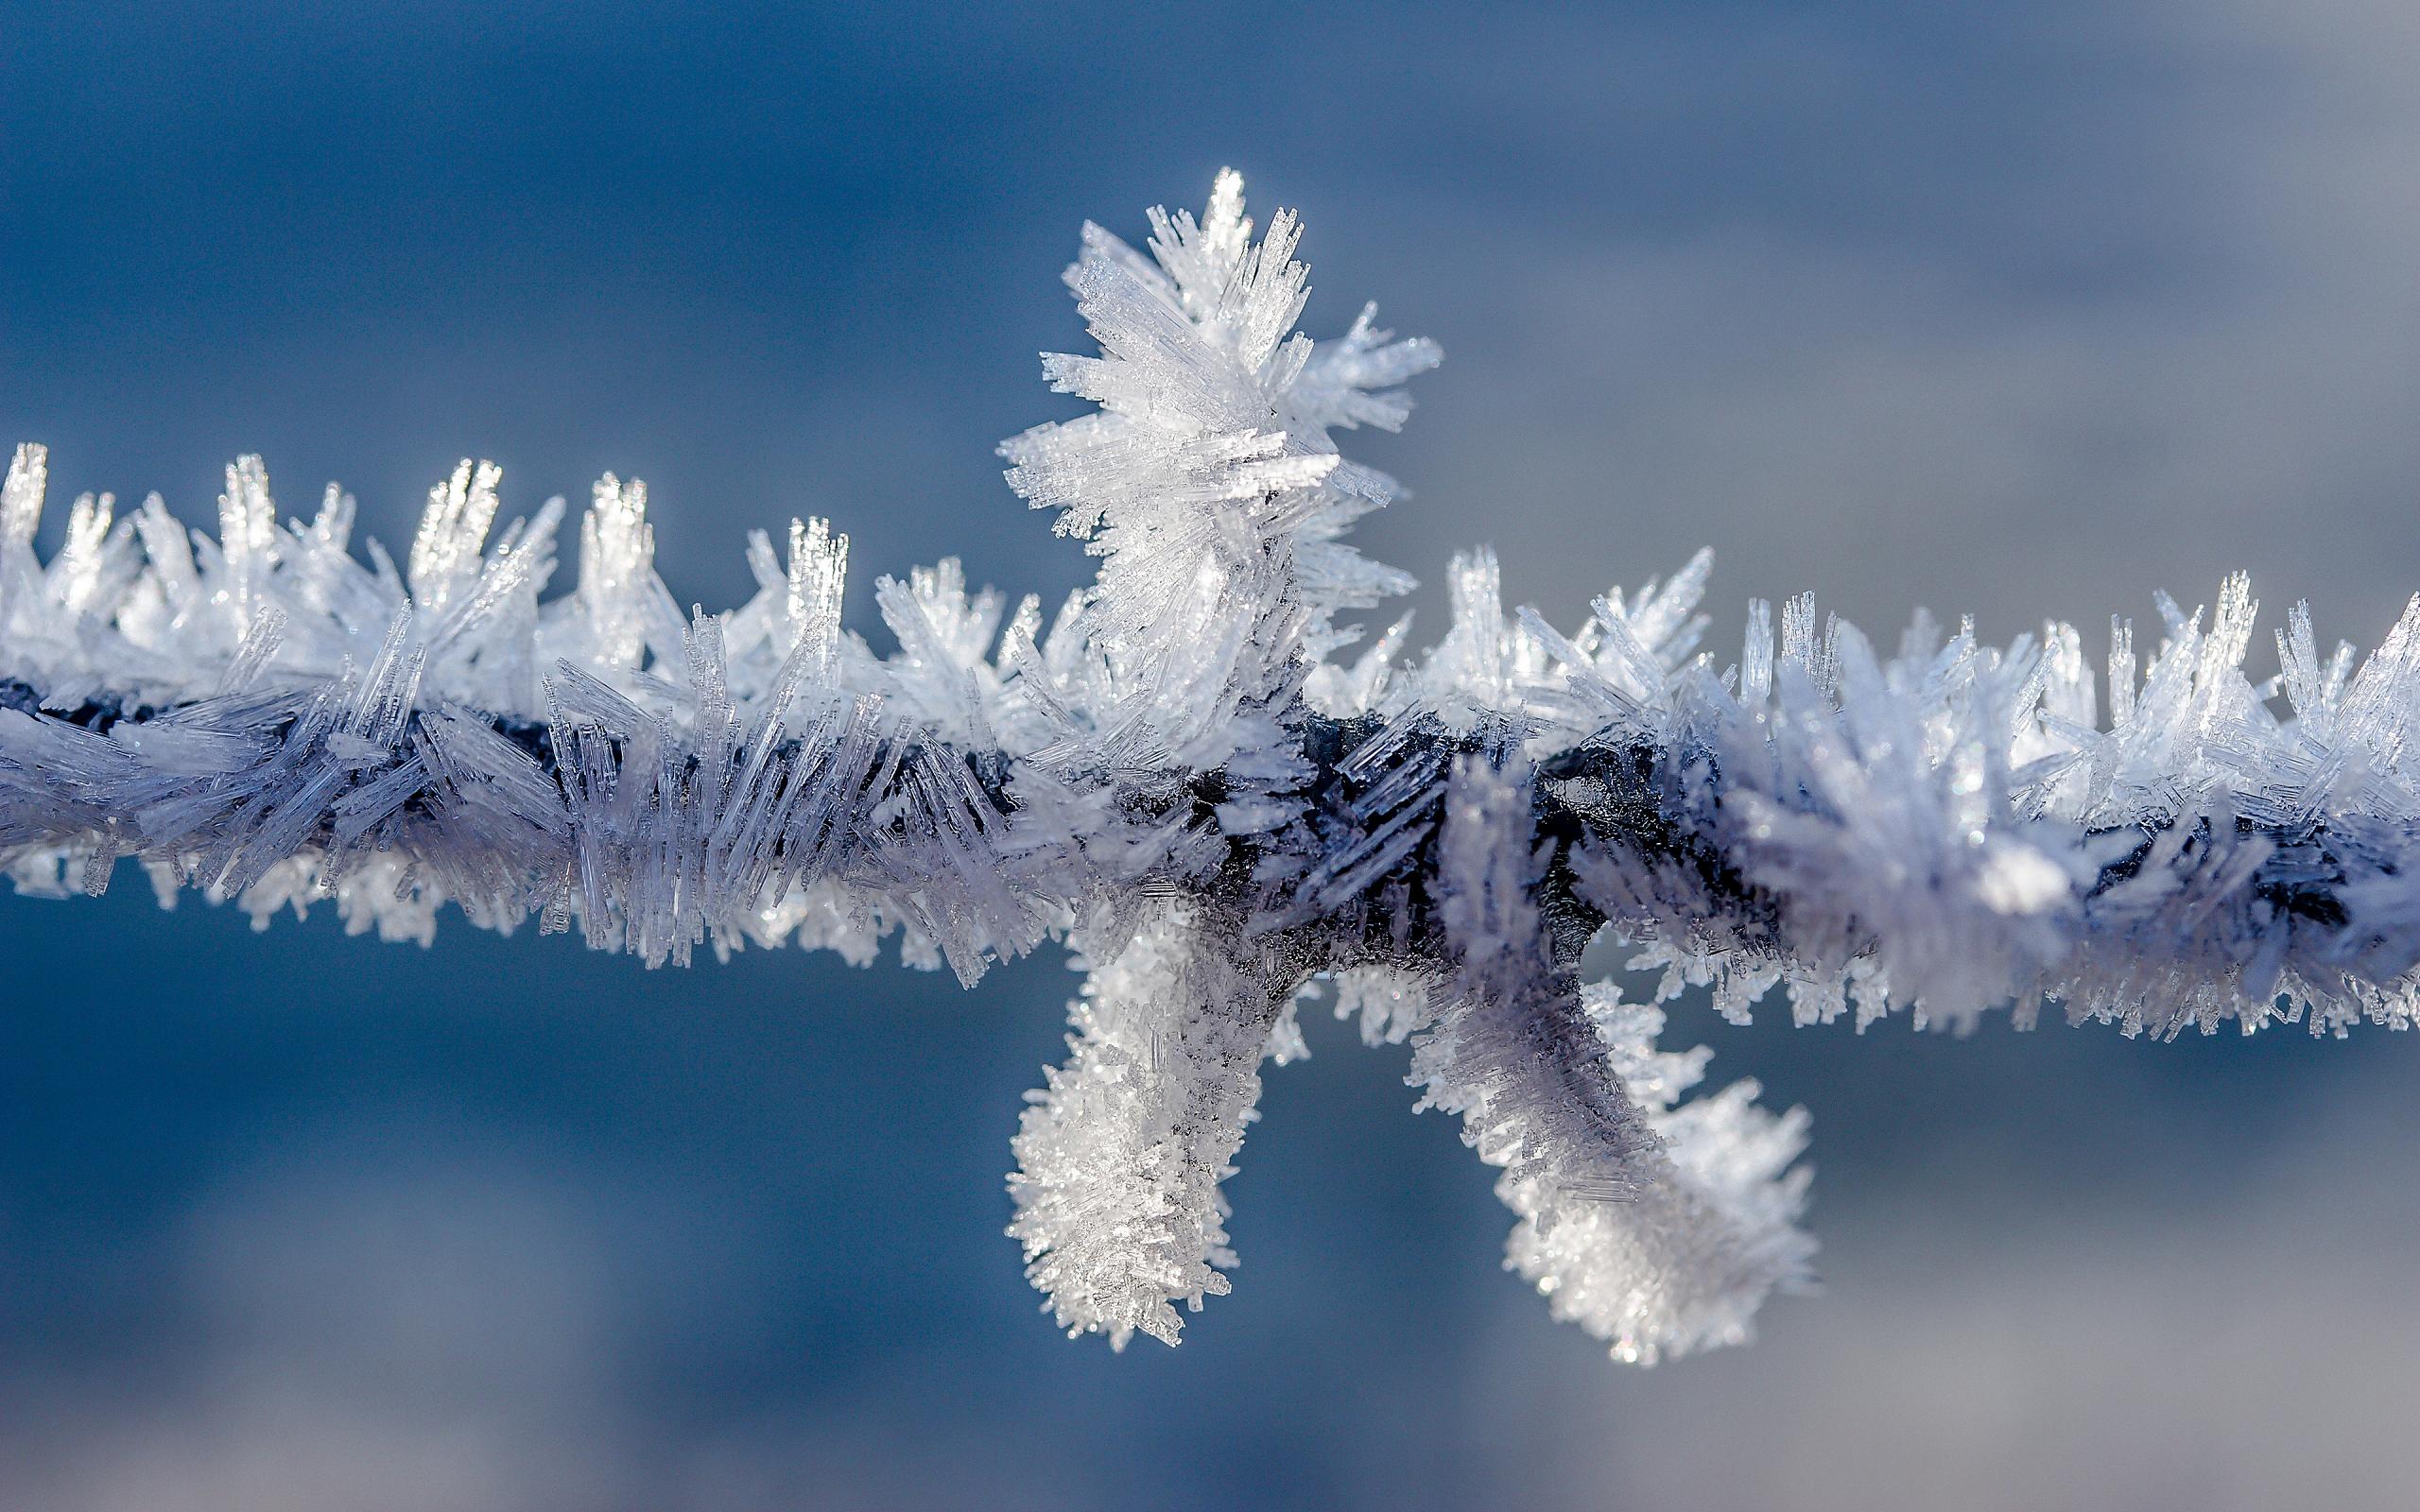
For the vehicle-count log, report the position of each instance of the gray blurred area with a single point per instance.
(2021, 312)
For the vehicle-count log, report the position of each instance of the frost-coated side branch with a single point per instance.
(1182, 777)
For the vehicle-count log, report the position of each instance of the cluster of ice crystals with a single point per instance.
(1709, 1226)
(1180, 774)
(1120, 1155)
(1207, 481)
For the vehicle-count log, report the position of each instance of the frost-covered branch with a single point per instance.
(1191, 778)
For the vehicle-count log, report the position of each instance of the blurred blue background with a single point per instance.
(2022, 311)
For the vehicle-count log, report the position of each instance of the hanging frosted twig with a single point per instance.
(1187, 779)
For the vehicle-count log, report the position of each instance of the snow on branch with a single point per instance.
(1185, 777)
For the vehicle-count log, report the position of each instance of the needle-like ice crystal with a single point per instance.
(1187, 778)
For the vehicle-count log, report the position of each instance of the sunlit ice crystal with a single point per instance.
(1202, 775)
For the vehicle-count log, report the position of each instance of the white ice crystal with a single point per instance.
(1120, 1155)
(1182, 775)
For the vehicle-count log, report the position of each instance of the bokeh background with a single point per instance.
(2020, 311)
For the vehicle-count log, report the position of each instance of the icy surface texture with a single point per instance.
(1191, 775)
(1120, 1155)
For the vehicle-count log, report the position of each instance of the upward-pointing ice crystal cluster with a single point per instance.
(1182, 777)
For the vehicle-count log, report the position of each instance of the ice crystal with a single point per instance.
(1182, 775)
